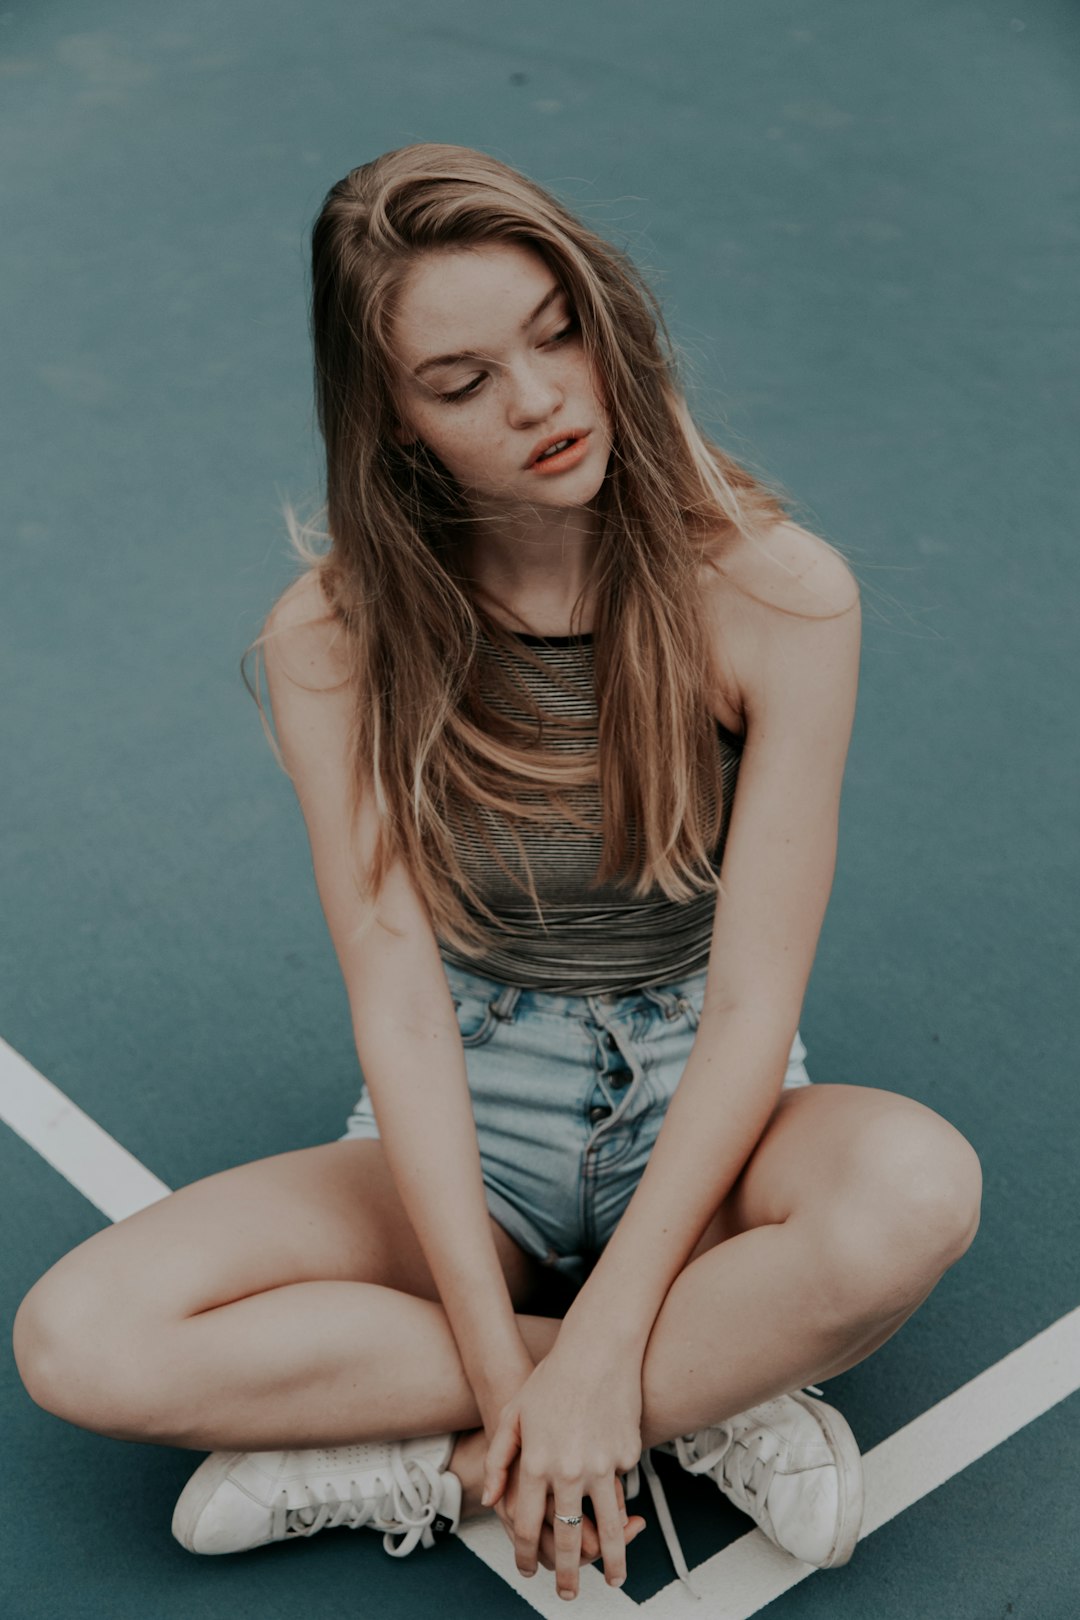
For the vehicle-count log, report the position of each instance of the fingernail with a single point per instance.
(485, 1500)
(616, 1580)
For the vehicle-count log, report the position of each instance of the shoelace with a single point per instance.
(405, 1502)
(745, 1475)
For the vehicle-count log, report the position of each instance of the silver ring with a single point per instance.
(569, 1518)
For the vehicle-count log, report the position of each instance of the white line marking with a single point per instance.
(749, 1573)
(103, 1171)
(488, 1540)
(925, 1453)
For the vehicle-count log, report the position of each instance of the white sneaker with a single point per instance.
(793, 1465)
(242, 1499)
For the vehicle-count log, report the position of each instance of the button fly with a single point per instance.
(601, 1111)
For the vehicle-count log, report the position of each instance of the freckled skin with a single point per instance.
(521, 386)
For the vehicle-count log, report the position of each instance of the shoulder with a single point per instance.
(787, 570)
(784, 615)
(303, 640)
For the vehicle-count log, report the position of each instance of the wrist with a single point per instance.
(497, 1383)
(612, 1340)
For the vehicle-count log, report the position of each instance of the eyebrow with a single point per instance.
(452, 359)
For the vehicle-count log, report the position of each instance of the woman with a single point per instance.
(554, 626)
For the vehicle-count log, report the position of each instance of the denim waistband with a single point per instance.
(508, 1000)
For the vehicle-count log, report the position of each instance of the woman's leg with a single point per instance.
(264, 1307)
(851, 1208)
(285, 1303)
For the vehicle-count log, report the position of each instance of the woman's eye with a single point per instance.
(567, 331)
(462, 393)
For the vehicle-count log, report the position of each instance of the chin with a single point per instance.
(585, 492)
(578, 492)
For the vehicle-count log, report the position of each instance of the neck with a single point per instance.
(536, 559)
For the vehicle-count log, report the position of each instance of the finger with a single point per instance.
(504, 1447)
(547, 1548)
(609, 1526)
(590, 1541)
(528, 1521)
(567, 1540)
(633, 1524)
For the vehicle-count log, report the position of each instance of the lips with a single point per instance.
(553, 439)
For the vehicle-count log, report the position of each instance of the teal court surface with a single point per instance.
(861, 221)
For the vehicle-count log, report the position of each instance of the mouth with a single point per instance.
(559, 451)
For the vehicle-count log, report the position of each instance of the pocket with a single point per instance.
(476, 1019)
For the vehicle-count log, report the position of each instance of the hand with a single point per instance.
(506, 1507)
(576, 1431)
(510, 1381)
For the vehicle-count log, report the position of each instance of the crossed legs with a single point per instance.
(287, 1303)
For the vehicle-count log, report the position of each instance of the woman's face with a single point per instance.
(491, 368)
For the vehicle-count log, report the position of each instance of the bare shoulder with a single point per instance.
(781, 608)
(302, 638)
(789, 570)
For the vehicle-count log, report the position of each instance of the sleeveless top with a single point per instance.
(594, 941)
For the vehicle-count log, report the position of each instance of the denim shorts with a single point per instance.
(568, 1093)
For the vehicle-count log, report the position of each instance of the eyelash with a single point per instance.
(469, 389)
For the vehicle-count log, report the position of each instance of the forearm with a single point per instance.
(721, 1105)
(419, 1090)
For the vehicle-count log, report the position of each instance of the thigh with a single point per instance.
(825, 1141)
(325, 1213)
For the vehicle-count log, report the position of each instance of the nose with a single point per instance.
(533, 395)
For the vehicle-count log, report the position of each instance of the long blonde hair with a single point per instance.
(426, 741)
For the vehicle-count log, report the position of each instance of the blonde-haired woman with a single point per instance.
(566, 703)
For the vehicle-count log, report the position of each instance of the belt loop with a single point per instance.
(666, 1000)
(505, 1003)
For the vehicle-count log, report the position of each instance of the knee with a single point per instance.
(77, 1356)
(909, 1210)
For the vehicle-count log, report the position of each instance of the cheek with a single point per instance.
(468, 450)
(442, 435)
(599, 391)
(459, 448)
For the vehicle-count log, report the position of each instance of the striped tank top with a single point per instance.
(595, 940)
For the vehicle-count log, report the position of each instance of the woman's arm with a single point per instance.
(797, 678)
(798, 674)
(403, 1017)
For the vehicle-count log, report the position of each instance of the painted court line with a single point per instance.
(749, 1573)
(934, 1447)
(944, 1440)
(103, 1171)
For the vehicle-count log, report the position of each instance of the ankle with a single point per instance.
(467, 1462)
